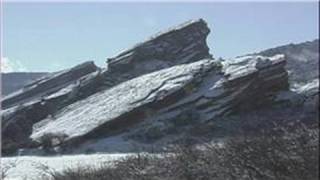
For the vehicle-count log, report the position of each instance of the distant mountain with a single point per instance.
(16, 80)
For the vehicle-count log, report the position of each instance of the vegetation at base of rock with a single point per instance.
(50, 141)
(283, 152)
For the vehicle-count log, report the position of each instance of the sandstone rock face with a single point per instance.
(125, 104)
(303, 68)
(41, 99)
(147, 92)
(302, 61)
(48, 85)
(179, 45)
(202, 87)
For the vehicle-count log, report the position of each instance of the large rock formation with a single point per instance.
(145, 94)
(202, 87)
(182, 44)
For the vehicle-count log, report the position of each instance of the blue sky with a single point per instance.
(53, 36)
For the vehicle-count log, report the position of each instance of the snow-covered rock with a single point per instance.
(41, 99)
(44, 97)
(123, 104)
(202, 87)
(48, 84)
(182, 44)
(303, 68)
(302, 61)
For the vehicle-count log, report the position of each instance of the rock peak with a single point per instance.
(181, 44)
(200, 23)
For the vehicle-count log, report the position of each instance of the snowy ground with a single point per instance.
(27, 167)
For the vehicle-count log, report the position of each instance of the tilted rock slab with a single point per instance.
(126, 99)
(302, 61)
(42, 98)
(208, 87)
(179, 45)
(48, 85)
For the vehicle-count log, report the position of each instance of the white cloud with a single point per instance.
(9, 65)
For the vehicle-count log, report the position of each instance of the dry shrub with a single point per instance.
(51, 140)
(286, 152)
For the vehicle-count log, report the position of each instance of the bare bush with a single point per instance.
(51, 140)
(286, 152)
